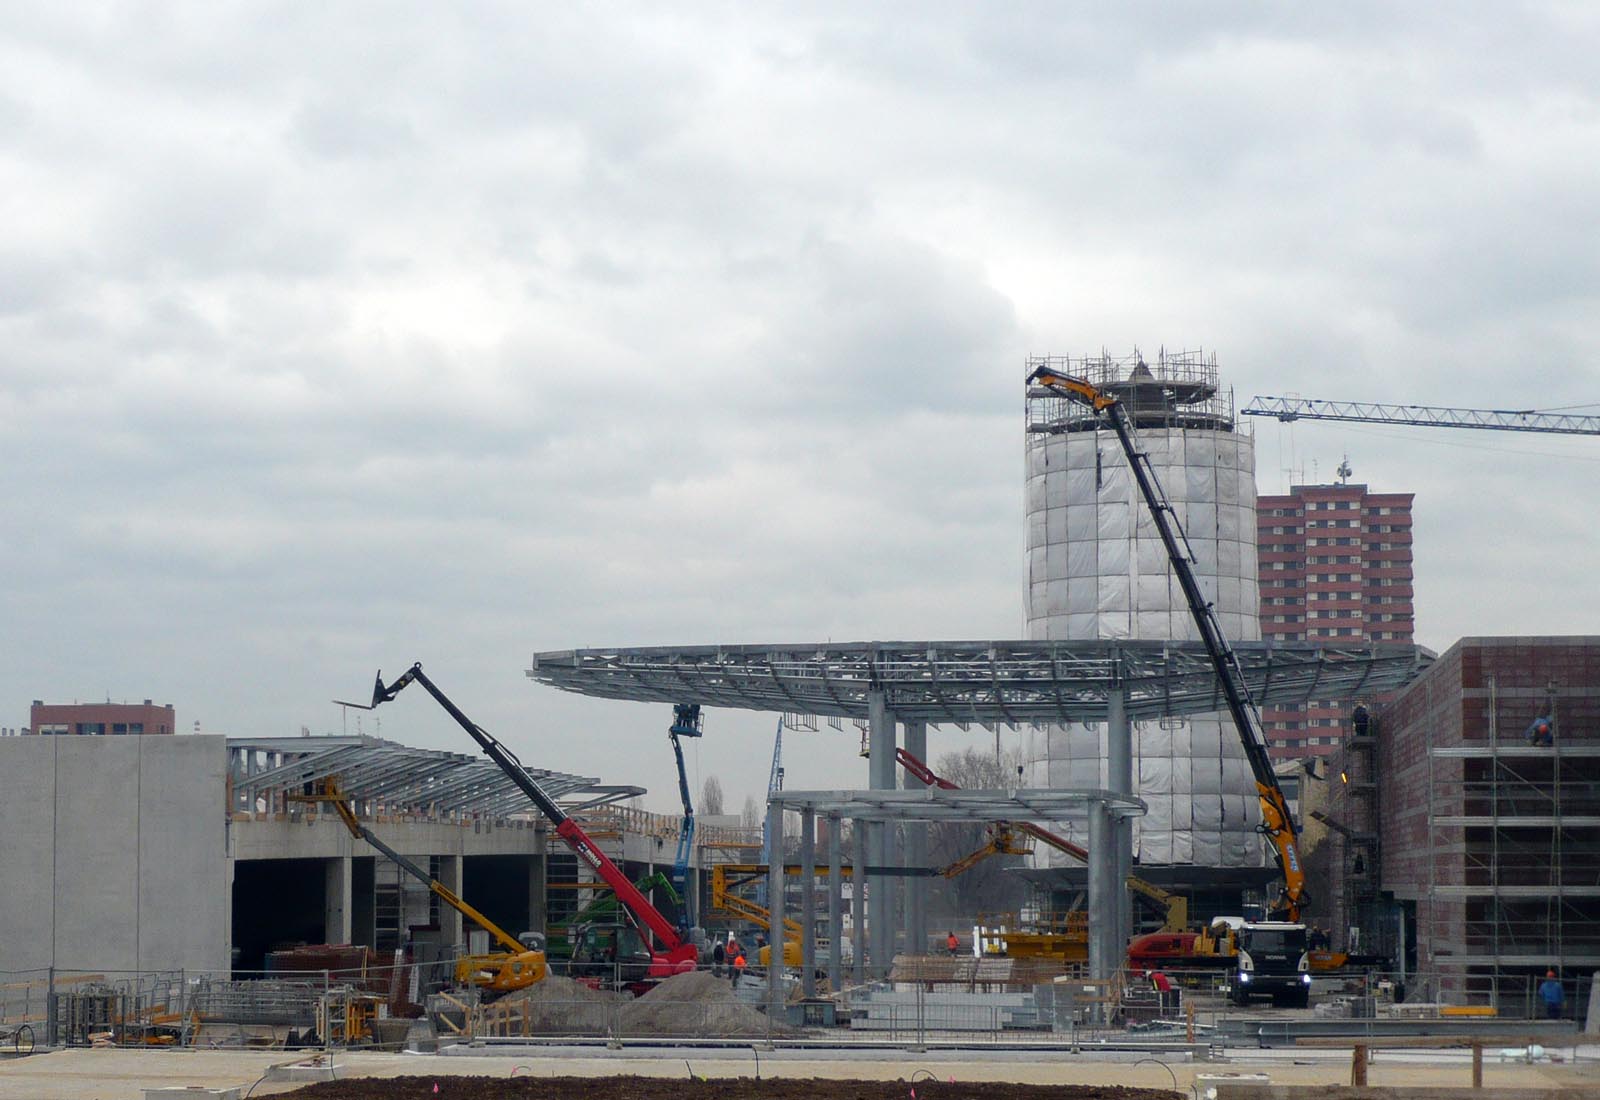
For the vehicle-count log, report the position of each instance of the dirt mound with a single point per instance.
(555, 1006)
(697, 1004)
(725, 1088)
(696, 985)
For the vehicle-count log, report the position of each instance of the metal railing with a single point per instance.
(380, 1006)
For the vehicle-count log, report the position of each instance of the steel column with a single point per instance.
(835, 908)
(775, 906)
(881, 919)
(808, 902)
(858, 897)
(916, 888)
(1102, 897)
(1119, 779)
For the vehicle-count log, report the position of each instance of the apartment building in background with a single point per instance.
(1335, 569)
(100, 719)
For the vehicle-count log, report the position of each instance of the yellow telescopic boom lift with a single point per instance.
(517, 967)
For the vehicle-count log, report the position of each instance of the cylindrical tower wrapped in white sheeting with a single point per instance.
(1097, 569)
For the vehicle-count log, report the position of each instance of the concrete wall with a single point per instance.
(323, 836)
(114, 856)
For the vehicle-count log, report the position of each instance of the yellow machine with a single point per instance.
(518, 966)
(1002, 842)
(725, 877)
(1062, 937)
(1175, 908)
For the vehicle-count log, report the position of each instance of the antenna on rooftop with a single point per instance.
(1344, 470)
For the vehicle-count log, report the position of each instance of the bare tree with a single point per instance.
(711, 796)
(751, 816)
(987, 886)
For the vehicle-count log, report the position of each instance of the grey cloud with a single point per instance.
(348, 337)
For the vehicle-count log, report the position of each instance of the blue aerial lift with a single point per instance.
(685, 723)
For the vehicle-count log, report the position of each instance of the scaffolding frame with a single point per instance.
(1514, 862)
(1177, 389)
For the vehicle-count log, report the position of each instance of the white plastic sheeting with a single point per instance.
(1097, 569)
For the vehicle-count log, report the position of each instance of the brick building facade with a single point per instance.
(1469, 843)
(1335, 565)
(101, 719)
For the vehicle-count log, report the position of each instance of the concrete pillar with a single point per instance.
(881, 917)
(337, 901)
(916, 887)
(1119, 778)
(808, 902)
(775, 906)
(364, 901)
(538, 894)
(835, 906)
(450, 933)
(858, 897)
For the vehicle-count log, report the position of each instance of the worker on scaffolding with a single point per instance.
(1553, 996)
(1541, 731)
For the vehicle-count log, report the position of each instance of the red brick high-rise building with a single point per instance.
(101, 719)
(1335, 568)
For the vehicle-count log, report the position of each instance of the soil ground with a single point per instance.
(724, 1088)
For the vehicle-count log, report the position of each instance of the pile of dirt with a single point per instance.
(555, 1006)
(696, 1005)
(720, 1088)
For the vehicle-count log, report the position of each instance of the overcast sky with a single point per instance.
(343, 336)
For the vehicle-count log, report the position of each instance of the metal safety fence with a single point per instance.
(389, 1007)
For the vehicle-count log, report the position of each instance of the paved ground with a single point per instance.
(124, 1074)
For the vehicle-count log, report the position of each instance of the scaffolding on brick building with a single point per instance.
(1516, 821)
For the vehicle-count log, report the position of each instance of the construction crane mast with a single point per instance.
(774, 785)
(1422, 416)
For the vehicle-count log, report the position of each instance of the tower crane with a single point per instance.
(1423, 416)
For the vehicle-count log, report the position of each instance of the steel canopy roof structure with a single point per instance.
(978, 682)
(400, 779)
(964, 804)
